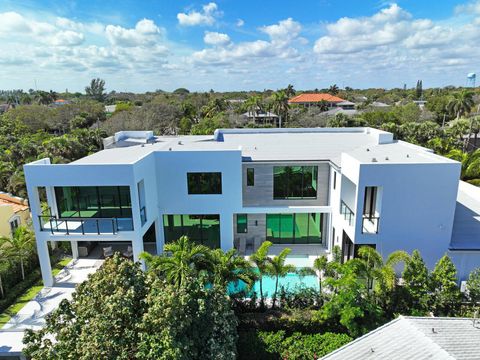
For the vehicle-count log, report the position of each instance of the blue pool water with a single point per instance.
(289, 282)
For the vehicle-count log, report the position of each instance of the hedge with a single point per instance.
(277, 345)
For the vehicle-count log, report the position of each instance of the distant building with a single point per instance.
(60, 102)
(110, 108)
(415, 338)
(14, 212)
(261, 117)
(5, 107)
(309, 100)
(378, 104)
(420, 103)
(338, 110)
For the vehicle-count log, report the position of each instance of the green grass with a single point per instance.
(29, 294)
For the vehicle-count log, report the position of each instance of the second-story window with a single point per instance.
(204, 183)
(295, 182)
(250, 176)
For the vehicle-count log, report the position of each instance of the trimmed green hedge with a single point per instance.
(15, 292)
(277, 345)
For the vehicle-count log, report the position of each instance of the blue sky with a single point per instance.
(236, 45)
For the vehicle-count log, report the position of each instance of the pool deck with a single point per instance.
(302, 255)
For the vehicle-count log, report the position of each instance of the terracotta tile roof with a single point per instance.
(17, 203)
(311, 98)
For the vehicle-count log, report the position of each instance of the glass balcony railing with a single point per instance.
(370, 224)
(347, 213)
(85, 225)
(143, 215)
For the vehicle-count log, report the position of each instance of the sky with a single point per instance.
(229, 45)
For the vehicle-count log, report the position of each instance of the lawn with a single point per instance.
(29, 294)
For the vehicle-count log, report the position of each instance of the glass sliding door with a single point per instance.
(300, 228)
(202, 229)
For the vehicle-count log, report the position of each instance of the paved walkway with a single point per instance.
(32, 315)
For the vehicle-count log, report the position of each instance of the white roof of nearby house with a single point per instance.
(379, 104)
(415, 338)
(338, 110)
(345, 102)
(304, 144)
(466, 223)
(110, 108)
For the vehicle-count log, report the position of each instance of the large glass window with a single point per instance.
(295, 228)
(94, 201)
(295, 182)
(204, 183)
(203, 229)
(242, 220)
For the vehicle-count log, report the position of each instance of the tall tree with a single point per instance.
(260, 259)
(280, 105)
(416, 282)
(19, 246)
(229, 267)
(419, 90)
(461, 103)
(277, 268)
(333, 89)
(445, 292)
(96, 90)
(290, 90)
(254, 104)
(473, 286)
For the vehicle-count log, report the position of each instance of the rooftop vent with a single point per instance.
(408, 155)
(180, 143)
(368, 149)
(374, 160)
(386, 158)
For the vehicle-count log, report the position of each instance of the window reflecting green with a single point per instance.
(250, 176)
(242, 220)
(203, 229)
(204, 183)
(94, 201)
(295, 228)
(295, 182)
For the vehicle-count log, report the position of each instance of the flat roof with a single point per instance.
(299, 144)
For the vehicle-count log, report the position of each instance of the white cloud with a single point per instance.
(215, 38)
(145, 33)
(283, 32)
(240, 23)
(207, 16)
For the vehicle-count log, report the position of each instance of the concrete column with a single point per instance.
(74, 245)
(44, 258)
(159, 234)
(137, 247)
(226, 231)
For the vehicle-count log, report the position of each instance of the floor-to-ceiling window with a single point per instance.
(93, 201)
(295, 182)
(203, 229)
(301, 228)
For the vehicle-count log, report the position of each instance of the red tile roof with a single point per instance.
(312, 98)
(18, 204)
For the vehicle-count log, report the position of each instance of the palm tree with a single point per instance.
(333, 89)
(320, 266)
(260, 259)
(185, 258)
(4, 264)
(461, 103)
(290, 91)
(230, 268)
(254, 104)
(470, 163)
(214, 107)
(277, 268)
(280, 104)
(20, 246)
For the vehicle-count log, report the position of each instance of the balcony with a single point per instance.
(347, 213)
(370, 224)
(84, 225)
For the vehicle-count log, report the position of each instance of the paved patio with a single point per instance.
(32, 315)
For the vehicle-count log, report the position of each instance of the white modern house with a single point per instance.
(308, 189)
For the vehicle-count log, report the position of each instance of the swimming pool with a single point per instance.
(289, 282)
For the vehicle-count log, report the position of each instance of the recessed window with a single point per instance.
(204, 183)
(14, 224)
(334, 180)
(202, 229)
(250, 176)
(295, 182)
(242, 220)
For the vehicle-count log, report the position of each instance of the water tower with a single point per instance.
(471, 77)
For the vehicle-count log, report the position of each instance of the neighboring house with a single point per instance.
(378, 104)
(13, 213)
(60, 102)
(335, 111)
(416, 338)
(5, 107)
(306, 189)
(310, 100)
(110, 108)
(420, 103)
(261, 117)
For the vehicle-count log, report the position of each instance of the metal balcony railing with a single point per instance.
(370, 224)
(347, 213)
(84, 225)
